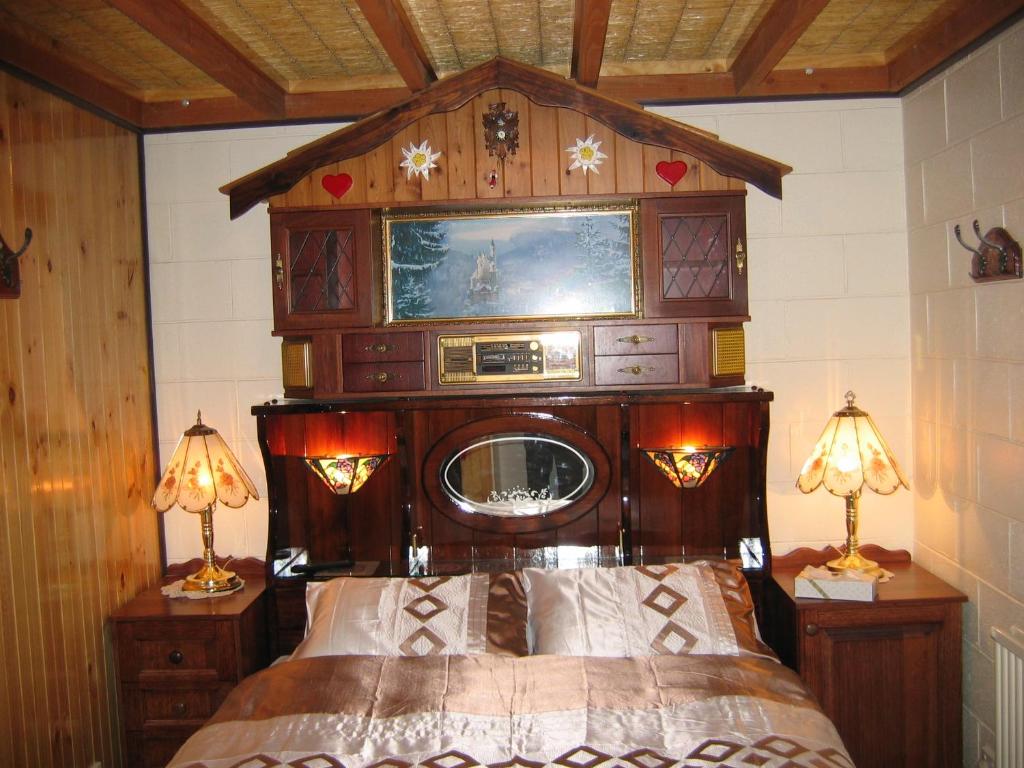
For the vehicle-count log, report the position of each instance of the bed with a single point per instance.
(655, 665)
(616, 629)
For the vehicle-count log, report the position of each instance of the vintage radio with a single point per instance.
(508, 357)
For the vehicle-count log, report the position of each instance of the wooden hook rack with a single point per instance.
(10, 274)
(997, 257)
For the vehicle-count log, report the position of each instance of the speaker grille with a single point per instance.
(296, 364)
(728, 352)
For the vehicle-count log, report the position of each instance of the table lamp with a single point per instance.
(849, 455)
(201, 472)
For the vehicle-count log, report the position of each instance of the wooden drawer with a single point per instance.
(383, 377)
(156, 749)
(162, 705)
(381, 347)
(168, 650)
(635, 339)
(636, 369)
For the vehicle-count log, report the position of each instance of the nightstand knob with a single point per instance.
(178, 708)
(811, 629)
(176, 657)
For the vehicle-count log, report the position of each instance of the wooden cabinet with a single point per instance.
(886, 672)
(178, 659)
(322, 268)
(694, 256)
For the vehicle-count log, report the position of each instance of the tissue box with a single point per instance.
(821, 583)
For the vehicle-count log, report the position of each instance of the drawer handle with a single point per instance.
(380, 348)
(178, 708)
(637, 370)
(812, 629)
(176, 657)
(634, 339)
(381, 377)
(279, 271)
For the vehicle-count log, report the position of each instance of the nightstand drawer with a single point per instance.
(160, 707)
(155, 750)
(160, 650)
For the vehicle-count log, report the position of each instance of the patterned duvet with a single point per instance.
(461, 711)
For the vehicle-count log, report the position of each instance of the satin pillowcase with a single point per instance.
(431, 615)
(641, 611)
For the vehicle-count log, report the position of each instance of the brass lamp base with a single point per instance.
(211, 579)
(854, 562)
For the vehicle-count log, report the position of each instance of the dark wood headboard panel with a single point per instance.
(634, 515)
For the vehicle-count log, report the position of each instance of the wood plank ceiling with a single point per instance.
(164, 64)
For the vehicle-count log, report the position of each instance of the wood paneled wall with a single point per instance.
(77, 535)
(538, 169)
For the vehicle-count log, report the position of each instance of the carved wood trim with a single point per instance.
(540, 87)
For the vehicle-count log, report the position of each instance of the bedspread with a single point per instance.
(461, 711)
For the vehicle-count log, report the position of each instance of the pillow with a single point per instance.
(641, 611)
(429, 615)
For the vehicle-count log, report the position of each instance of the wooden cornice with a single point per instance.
(178, 27)
(396, 34)
(51, 67)
(589, 30)
(780, 28)
(950, 28)
(539, 86)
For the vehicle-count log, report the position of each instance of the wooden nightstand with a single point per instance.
(886, 672)
(177, 660)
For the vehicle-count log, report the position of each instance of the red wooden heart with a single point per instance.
(338, 184)
(671, 172)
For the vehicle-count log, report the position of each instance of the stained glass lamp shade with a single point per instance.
(202, 472)
(345, 474)
(689, 466)
(849, 455)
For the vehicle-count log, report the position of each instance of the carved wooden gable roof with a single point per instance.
(542, 88)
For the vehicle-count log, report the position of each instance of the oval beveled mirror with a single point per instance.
(516, 474)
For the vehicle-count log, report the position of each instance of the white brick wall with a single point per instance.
(828, 272)
(964, 149)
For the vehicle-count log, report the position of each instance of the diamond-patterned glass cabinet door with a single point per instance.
(689, 256)
(694, 257)
(321, 269)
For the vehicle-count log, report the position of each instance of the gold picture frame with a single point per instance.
(511, 264)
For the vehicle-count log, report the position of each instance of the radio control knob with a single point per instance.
(534, 346)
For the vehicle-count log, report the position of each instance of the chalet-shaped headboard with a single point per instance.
(508, 229)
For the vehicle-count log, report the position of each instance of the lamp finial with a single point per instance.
(850, 397)
(199, 417)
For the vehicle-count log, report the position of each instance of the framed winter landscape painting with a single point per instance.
(520, 264)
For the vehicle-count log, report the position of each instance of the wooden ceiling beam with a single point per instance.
(49, 66)
(396, 34)
(333, 105)
(589, 30)
(778, 31)
(179, 28)
(950, 28)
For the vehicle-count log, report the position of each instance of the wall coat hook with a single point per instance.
(10, 275)
(998, 256)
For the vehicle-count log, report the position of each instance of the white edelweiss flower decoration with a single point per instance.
(419, 160)
(586, 155)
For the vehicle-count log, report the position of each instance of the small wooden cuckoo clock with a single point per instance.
(501, 131)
